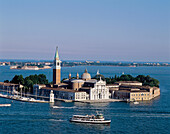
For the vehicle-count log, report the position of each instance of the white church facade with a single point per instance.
(99, 91)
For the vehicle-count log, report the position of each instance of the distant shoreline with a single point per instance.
(36, 65)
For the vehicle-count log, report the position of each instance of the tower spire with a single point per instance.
(56, 53)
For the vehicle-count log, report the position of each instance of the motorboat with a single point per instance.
(92, 119)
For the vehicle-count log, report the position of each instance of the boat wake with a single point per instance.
(56, 120)
(63, 107)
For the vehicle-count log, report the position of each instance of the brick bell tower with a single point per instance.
(56, 68)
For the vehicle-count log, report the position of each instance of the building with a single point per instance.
(56, 68)
(86, 76)
(61, 93)
(37, 87)
(136, 93)
(86, 88)
(30, 68)
(134, 83)
(79, 89)
(97, 90)
(112, 89)
(9, 87)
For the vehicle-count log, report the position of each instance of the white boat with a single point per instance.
(135, 102)
(5, 105)
(93, 119)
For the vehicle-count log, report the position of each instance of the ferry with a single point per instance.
(92, 119)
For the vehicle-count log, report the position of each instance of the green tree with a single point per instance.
(140, 78)
(62, 80)
(42, 79)
(18, 79)
(97, 77)
(6, 81)
(29, 85)
(126, 78)
(147, 80)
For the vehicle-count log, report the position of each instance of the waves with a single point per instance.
(57, 120)
(57, 107)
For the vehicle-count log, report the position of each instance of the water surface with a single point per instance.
(34, 118)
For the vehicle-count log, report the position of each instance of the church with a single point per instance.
(78, 89)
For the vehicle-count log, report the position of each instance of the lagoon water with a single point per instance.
(35, 118)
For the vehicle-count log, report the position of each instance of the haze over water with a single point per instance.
(147, 117)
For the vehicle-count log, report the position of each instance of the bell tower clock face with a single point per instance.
(58, 64)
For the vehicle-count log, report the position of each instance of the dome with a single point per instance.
(86, 75)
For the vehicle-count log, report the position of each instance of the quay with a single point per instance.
(24, 99)
(102, 101)
(28, 98)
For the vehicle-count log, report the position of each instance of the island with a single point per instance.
(84, 88)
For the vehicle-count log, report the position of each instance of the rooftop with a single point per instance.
(60, 89)
(77, 81)
(128, 82)
(133, 91)
(86, 88)
(91, 81)
(8, 84)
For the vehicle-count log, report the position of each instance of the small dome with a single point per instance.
(86, 75)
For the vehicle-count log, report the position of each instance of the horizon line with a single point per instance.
(87, 60)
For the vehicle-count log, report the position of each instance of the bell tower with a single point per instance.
(56, 68)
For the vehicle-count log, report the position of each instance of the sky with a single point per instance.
(104, 30)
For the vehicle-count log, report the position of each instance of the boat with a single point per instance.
(135, 102)
(5, 105)
(92, 119)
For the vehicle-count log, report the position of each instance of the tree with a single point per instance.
(97, 77)
(147, 80)
(126, 78)
(29, 84)
(42, 79)
(140, 78)
(6, 81)
(62, 80)
(18, 79)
